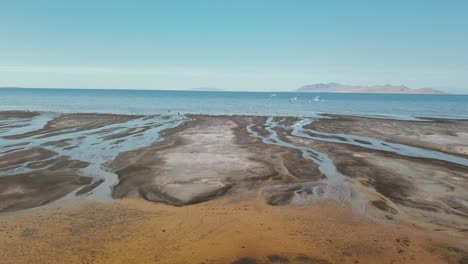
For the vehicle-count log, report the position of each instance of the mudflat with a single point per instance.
(103, 188)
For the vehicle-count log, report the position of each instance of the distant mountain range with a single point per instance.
(333, 88)
(342, 88)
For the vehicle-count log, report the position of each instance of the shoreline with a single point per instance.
(409, 118)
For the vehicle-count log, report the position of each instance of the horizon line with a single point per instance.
(201, 90)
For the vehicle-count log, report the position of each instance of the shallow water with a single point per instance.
(402, 106)
(298, 130)
(90, 146)
(97, 147)
(335, 186)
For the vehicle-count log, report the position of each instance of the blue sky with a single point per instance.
(235, 45)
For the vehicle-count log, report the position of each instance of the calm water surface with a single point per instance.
(218, 103)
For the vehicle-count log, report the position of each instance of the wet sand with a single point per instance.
(75, 122)
(231, 189)
(204, 159)
(444, 135)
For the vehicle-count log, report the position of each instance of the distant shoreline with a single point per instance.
(227, 91)
(377, 89)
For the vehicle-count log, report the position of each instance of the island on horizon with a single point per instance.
(333, 87)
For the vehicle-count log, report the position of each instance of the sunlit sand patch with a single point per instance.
(218, 231)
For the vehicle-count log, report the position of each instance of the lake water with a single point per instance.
(220, 103)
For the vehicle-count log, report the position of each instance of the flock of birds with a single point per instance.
(294, 99)
(291, 101)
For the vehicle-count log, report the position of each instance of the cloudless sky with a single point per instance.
(235, 45)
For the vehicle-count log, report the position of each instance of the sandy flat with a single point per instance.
(218, 231)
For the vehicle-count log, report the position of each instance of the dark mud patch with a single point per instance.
(389, 184)
(129, 132)
(295, 162)
(304, 259)
(245, 261)
(17, 145)
(463, 260)
(286, 121)
(38, 188)
(12, 150)
(196, 194)
(405, 132)
(282, 198)
(76, 122)
(386, 183)
(17, 114)
(134, 180)
(131, 181)
(58, 164)
(260, 130)
(312, 134)
(58, 143)
(70, 148)
(300, 167)
(363, 142)
(278, 259)
(89, 188)
(459, 206)
(135, 169)
(22, 156)
(382, 205)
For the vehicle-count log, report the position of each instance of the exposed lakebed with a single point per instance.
(396, 172)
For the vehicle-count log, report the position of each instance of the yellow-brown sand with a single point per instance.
(218, 231)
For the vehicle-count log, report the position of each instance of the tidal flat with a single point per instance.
(105, 188)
